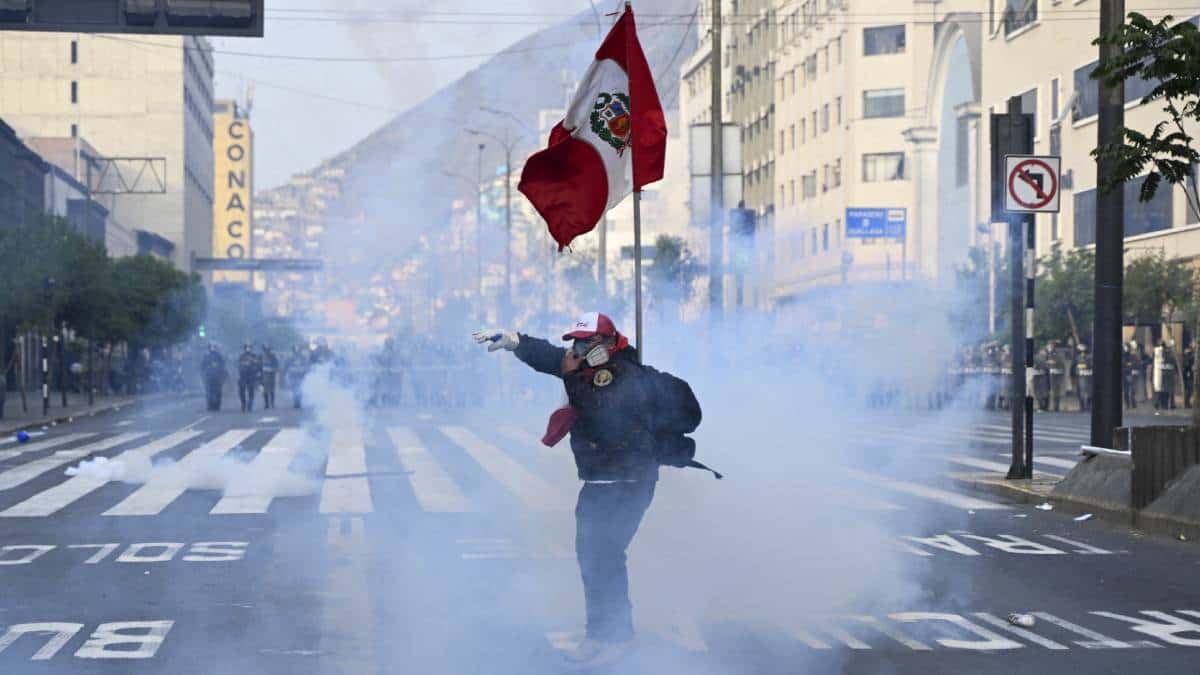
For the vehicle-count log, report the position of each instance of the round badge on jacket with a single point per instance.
(602, 378)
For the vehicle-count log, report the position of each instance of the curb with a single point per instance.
(1038, 491)
(66, 418)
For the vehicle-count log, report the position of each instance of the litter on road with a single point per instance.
(1086, 516)
(1044, 506)
(1022, 620)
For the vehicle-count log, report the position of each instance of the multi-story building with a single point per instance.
(1046, 61)
(146, 97)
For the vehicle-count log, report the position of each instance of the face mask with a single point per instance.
(595, 356)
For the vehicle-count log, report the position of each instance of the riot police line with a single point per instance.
(385, 378)
(981, 377)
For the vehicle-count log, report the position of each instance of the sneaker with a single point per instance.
(595, 654)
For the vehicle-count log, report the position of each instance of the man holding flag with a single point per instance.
(625, 419)
(612, 141)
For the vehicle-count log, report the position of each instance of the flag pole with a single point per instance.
(637, 237)
(637, 268)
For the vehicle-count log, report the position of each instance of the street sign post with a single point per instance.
(1031, 183)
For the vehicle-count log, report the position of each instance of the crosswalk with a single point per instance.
(444, 468)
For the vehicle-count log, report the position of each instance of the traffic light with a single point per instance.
(201, 332)
(237, 18)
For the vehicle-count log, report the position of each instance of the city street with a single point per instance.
(440, 542)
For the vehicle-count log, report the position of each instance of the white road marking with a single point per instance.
(346, 488)
(37, 446)
(988, 465)
(934, 494)
(434, 489)
(164, 488)
(1094, 639)
(24, 473)
(52, 500)
(268, 467)
(892, 632)
(1081, 548)
(533, 492)
(1002, 624)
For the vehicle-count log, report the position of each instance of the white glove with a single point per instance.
(497, 339)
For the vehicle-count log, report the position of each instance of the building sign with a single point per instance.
(232, 189)
(876, 223)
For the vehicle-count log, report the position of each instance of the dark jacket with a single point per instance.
(249, 368)
(622, 427)
(212, 367)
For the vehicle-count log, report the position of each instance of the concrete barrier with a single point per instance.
(1099, 481)
(1161, 454)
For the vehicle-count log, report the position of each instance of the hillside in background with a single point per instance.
(372, 202)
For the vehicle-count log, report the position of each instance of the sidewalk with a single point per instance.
(77, 406)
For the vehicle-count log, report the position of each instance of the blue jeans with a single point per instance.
(606, 518)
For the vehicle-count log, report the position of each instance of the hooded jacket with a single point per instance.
(621, 425)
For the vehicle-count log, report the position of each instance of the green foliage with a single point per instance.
(1155, 287)
(1166, 54)
(53, 274)
(672, 275)
(1066, 295)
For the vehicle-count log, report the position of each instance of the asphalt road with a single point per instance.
(440, 542)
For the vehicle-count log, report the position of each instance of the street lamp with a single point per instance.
(508, 144)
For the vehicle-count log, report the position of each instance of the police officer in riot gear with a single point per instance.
(270, 371)
(1188, 367)
(1056, 371)
(249, 371)
(1083, 377)
(1041, 381)
(212, 370)
(1130, 366)
(294, 371)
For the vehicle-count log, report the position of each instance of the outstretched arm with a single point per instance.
(536, 352)
(540, 355)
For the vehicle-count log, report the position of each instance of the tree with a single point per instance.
(1155, 287)
(1065, 295)
(1167, 55)
(673, 272)
(969, 312)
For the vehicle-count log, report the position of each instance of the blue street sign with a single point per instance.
(876, 223)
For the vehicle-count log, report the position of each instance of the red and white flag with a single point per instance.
(612, 141)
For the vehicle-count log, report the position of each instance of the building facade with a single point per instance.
(131, 98)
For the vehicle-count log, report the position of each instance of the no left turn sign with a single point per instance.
(1031, 183)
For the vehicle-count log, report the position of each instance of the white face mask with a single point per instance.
(597, 356)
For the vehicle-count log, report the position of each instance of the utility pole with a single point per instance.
(479, 235)
(716, 236)
(507, 232)
(1110, 240)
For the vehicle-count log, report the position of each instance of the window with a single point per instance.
(810, 68)
(1053, 99)
(837, 172)
(1018, 14)
(782, 140)
(883, 40)
(803, 130)
(782, 195)
(1087, 90)
(962, 141)
(814, 241)
(825, 237)
(824, 178)
(837, 49)
(883, 166)
(837, 107)
(1029, 101)
(825, 57)
(814, 123)
(825, 118)
(1140, 217)
(883, 103)
(837, 231)
(808, 185)
(74, 130)
(74, 92)
(792, 191)
(792, 135)
(74, 51)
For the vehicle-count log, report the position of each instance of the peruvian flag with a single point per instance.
(612, 141)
